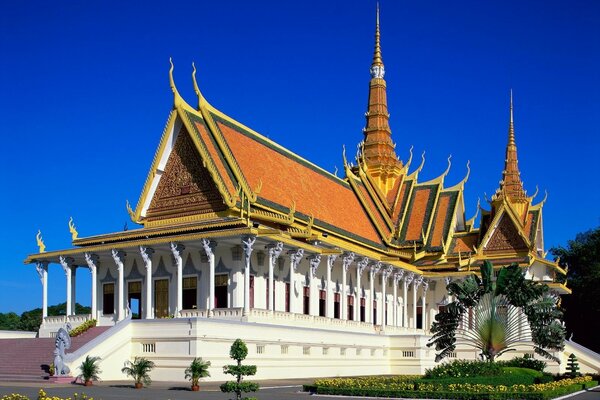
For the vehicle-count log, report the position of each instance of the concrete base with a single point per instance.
(61, 379)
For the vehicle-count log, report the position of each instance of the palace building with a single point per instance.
(326, 275)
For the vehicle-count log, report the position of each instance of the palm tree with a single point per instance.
(197, 369)
(138, 370)
(495, 305)
(89, 370)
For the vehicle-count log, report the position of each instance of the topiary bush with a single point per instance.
(573, 366)
(238, 352)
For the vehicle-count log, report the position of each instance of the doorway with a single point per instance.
(134, 298)
(221, 283)
(161, 298)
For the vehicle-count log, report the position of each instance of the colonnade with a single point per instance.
(350, 263)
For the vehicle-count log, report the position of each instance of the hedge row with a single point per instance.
(83, 327)
(364, 392)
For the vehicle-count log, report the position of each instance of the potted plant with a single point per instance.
(138, 369)
(197, 369)
(89, 370)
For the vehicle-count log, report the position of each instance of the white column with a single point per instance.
(314, 261)
(416, 283)
(146, 253)
(274, 252)
(424, 305)
(248, 243)
(295, 258)
(42, 270)
(360, 267)
(65, 263)
(407, 281)
(119, 257)
(397, 312)
(73, 289)
(347, 259)
(372, 298)
(92, 263)
(384, 277)
(177, 249)
(209, 249)
(329, 300)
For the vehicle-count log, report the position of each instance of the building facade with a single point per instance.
(328, 275)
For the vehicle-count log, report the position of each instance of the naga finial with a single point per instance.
(130, 212)
(73, 229)
(201, 99)
(449, 165)
(40, 242)
(422, 163)
(344, 155)
(177, 100)
(410, 157)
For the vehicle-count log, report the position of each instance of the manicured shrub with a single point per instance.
(526, 361)
(573, 366)
(462, 368)
(238, 352)
(83, 327)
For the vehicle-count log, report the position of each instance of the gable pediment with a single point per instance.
(185, 186)
(505, 237)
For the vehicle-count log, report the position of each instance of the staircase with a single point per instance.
(28, 359)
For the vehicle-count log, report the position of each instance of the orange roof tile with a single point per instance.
(439, 223)
(287, 179)
(417, 213)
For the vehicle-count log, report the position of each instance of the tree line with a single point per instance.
(31, 320)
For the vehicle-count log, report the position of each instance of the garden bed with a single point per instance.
(417, 387)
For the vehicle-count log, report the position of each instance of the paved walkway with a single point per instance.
(270, 390)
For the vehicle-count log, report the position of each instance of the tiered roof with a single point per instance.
(210, 171)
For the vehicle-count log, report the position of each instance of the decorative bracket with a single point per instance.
(92, 261)
(295, 258)
(361, 265)
(398, 276)
(146, 253)
(176, 250)
(40, 242)
(274, 251)
(209, 247)
(375, 267)
(347, 259)
(66, 263)
(41, 267)
(248, 243)
(119, 257)
(314, 260)
(330, 260)
(409, 278)
(387, 271)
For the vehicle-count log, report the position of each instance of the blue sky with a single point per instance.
(85, 96)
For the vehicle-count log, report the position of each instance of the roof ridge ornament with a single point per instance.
(201, 99)
(73, 229)
(40, 242)
(177, 100)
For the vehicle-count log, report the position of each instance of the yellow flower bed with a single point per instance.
(42, 395)
(412, 383)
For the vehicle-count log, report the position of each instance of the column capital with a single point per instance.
(447, 280)
(41, 267)
(347, 259)
(374, 268)
(425, 285)
(274, 250)
(398, 276)
(248, 243)
(331, 260)
(409, 278)
(119, 257)
(314, 260)
(386, 271)
(92, 261)
(146, 253)
(417, 281)
(66, 263)
(295, 258)
(209, 246)
(362, 264)
(176, 249)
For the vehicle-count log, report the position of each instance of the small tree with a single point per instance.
(238, 352)
(573, 366)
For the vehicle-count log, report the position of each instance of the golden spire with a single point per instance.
(378, 152)
(511, 184)
(377, 60)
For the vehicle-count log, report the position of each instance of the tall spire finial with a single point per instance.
(377, 69)
(511, 183)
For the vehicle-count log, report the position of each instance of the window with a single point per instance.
(325, 351)
(362, 309)
(134, 298)
(419, 317)
(322, 303)
(190, 291)
(284, 349)
(336, 305)
(306, 303)
(287, 297)
(374, 312)
(350, 308)
(260, 349)
(342, 351)
(306, 350)
(108, 298)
